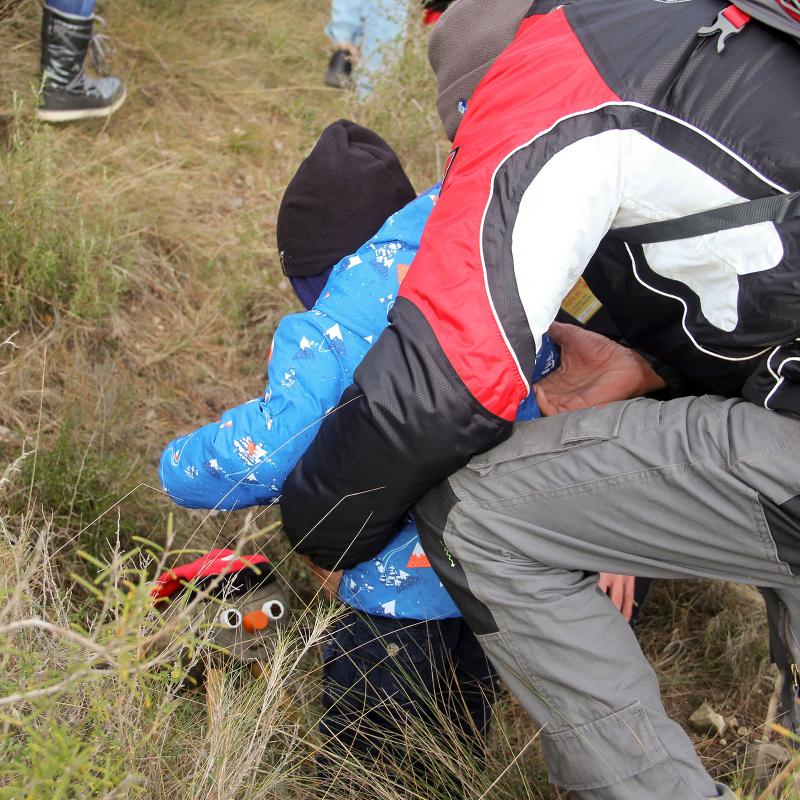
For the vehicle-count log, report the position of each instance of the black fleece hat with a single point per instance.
(340, 196)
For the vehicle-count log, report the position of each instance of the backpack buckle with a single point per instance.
(729, 22)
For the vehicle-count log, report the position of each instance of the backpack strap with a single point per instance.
(776, 208)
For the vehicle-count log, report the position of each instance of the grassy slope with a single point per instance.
(140, 286)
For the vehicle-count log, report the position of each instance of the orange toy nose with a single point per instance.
(255, 621)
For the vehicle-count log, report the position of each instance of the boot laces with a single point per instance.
(99, 50)
(101, 47)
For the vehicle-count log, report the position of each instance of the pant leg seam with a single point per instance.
(756, 456)
(765, 535)
(449, 536)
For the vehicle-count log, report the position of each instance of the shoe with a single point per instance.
(764, 760)
(67, 92)
(339, 69)
(785, 654)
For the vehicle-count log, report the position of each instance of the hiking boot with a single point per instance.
(788, 709)
(339, 69)
(785, 654)
(67, 92)
(763, 761)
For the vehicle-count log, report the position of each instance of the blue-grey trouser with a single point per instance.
(696, 487)
(377, 27)
(77, 8)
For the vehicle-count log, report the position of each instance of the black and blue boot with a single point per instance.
(340, 69)
(67, 92)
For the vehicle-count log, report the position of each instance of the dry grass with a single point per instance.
(140, 289)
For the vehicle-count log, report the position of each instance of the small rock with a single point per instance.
(723, 742)
(741, 731)
(705, 720)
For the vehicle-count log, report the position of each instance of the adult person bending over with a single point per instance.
(601, 116)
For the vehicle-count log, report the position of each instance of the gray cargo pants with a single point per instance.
(695, 487)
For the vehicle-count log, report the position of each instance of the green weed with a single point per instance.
(52, 260)
(79, 483)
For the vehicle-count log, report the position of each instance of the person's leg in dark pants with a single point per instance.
(404, 692)
(641, 592)
(473, 689)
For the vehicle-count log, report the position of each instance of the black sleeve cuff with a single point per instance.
(678, 385)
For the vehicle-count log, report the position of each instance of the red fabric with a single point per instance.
(544, 75)
(793, 14)
(736, 16)
(215, 562)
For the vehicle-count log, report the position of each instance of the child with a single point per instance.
(403, 649)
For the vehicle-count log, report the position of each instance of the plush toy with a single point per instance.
(245, 604)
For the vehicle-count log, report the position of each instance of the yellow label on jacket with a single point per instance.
(580, 302)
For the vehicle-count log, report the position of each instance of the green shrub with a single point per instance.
(77, 484)
(53, 260)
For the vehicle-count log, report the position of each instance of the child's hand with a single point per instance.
(619, 588)
(328, 581)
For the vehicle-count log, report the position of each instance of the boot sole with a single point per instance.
(83, 113)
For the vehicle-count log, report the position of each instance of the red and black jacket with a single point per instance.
(602, 114)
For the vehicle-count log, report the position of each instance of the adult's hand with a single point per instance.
(594, 370)
(620, 589)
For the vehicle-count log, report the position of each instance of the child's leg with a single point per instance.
(641, 592)
(384, 33)
(389, 694)
(474, 688)
(77, 8)
(347, 23)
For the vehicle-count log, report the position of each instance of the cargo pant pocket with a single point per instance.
(549, 437)
(604, 751)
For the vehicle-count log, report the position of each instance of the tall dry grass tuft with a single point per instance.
(8, 7)
(88, 709)
(52, 261)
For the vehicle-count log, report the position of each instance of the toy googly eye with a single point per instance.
(273, 609)
(230, 617)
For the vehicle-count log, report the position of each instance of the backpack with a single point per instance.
(783, 15)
